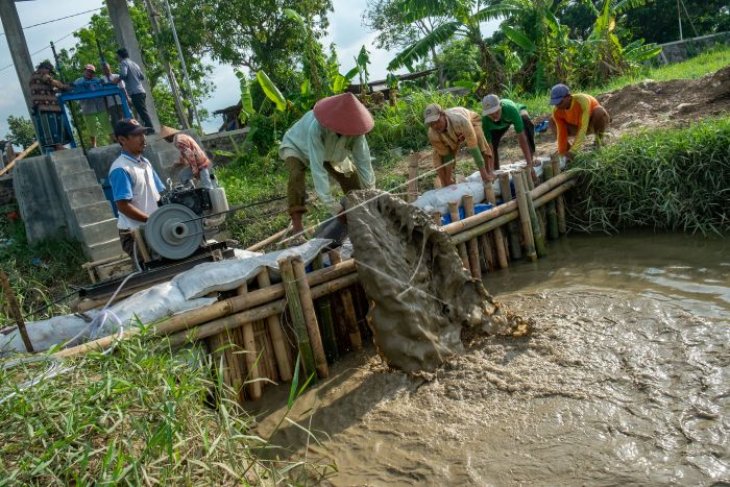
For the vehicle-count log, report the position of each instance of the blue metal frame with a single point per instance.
(87, 91)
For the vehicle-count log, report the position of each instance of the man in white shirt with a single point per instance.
(113, 103)
(136, 187)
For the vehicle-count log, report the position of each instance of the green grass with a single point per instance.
(142, 415)
(676, 179)
(696, 67)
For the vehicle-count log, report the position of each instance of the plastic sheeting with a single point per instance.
(183, 293)
(227, 275)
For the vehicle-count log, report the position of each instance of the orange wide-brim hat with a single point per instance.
(344, 114)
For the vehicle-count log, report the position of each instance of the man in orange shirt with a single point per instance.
(576, 115)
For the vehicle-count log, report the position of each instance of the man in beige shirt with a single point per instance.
(450, 128)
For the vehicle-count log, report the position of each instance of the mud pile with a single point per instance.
(652, 103)
(421, 296)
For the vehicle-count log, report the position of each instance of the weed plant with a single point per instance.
(142, 415)
(675, 179)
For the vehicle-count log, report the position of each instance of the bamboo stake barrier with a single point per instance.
(454, 213)
(552, 214)
(250, 353)
(512, 229)
(473, 246)
(348, 306)
(524, 214)
(278, 339)
(560, 201)
(511, 216)
(310, 318)
(14, 309)
(536, 228)
(19, 157)
(324, 307)
(296, 312)
(497, 234)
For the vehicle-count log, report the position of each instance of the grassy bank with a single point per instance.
(676, 179)
(140, 416)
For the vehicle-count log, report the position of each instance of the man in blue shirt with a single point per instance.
(136, 187)
(131, 74)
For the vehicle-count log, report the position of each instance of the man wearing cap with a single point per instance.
(330, 139)
(136, 187)
(447, 130)
(131, 74)
(576, 114)
(47, 115)
(192, 156)
(96, 119)
(497, 117)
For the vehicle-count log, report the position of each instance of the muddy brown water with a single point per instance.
(625, 380)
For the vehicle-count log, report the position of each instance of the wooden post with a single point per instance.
(536, 228)
(513, 228)
(297, 314)
(278, 339)
(310, 317)
(348, 305)
(247, 338)
(454, 212)
(412, 177)
(473, 246)
(324, 307)
(269, 240)
(14, 309)
(498, 236)
(524, 212)
(560, 201)
(552, 214)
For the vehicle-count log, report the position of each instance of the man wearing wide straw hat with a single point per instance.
(330, 139)
(450, 128)
(192, 155)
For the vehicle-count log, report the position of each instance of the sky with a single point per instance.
(346, 31)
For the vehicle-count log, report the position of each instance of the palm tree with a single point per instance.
(464, 18)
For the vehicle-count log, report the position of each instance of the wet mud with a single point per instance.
(625, 380)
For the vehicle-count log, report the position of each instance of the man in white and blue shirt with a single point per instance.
(136, 187)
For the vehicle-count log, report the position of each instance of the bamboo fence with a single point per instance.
(256, 333)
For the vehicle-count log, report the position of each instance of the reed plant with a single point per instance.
(665, 179)
(142, 415)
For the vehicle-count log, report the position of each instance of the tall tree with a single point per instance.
(21, 131)
(463, 19)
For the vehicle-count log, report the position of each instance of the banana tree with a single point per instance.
(464, 19)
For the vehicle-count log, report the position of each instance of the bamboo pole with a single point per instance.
(454, 213)
(536, 227)
(324, 307)
(552, 215)
(511, 216)
(278, 339)
(19, 157)
(498, 237)
(297, 314)
(512, 229)
(14, 310)
(464, 224)
(310, 317)
(524, 213)
(413, 177)
(348, 306)
(250, 353)
(472, 245)
(560, 200)
(269, 240)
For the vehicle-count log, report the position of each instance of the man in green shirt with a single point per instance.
(497, 116)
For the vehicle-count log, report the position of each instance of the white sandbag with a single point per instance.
(154, 304)
(226, 275)
(439, 199)
(45, 333)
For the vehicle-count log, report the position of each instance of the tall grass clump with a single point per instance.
(142, 415)
(676, 179)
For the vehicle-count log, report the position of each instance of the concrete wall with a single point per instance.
(39, 200)
(224, 141)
